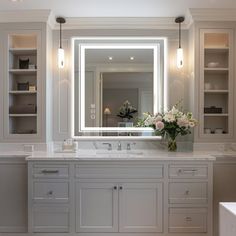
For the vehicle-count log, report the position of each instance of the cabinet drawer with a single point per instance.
(119, 172)
(51, 191)
(188, 192)
(187, 220)
(50, 219)
(177, 171)
(50, 171)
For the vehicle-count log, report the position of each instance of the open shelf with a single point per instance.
(216, 49)
(216, 69)
(216, 91)
(16, 92)
(22, 115)
(216, 95)
(23, 51)
(216, 114)
(22, 69)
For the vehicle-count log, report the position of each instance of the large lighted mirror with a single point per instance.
(116, 81)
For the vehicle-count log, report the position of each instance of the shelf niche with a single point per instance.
(22, 103)
(216, 61)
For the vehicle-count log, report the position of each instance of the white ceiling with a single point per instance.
(120, 56)
(116, 8)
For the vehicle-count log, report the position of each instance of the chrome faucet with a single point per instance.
(119, 146)
(109, 148)
(129, 146)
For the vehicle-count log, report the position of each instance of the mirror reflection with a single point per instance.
(125, 90)
(115, 82)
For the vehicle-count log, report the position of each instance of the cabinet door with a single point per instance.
(140, 207)
(13, 197)
(96, 207)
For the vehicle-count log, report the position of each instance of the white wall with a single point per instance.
(177, 79)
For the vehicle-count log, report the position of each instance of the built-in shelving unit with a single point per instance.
(216, 83)
(22, 83)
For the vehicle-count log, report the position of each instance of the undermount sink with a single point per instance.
(121, 153)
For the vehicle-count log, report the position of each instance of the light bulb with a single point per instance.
(180, 57)
(61, 58)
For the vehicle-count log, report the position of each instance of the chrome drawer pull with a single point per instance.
(188, 218)
(187, 171)
(50, 171)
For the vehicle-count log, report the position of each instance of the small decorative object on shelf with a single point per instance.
(213, 110)
(170, 124)
(32, 66)
(213, 64)
(126, 111)
(32, 88)
(23, 86)
(24, 63)
(207, 131)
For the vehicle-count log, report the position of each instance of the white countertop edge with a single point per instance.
(152, 156)
(116, 159)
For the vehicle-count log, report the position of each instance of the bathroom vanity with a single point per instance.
(149, 195)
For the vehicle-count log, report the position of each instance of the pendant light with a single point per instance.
(180, 53)
(61, 54)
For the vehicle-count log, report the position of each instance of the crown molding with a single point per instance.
(120, 23)
(25, 16)
(211, 14)
(47, 16)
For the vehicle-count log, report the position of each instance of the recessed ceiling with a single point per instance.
(116, 8)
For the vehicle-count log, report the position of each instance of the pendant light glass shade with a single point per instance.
(180, 52)
(60, 53)
(61, 58)
(180, 58)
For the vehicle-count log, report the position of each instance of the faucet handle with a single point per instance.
(119, 146)
(129, 145)
(109, 146)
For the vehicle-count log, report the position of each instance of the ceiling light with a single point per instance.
(131, 58)
(61, 54)
(180, 53)
(110, 58)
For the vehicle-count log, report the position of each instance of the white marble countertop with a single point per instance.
(103, 155)
(230, 206)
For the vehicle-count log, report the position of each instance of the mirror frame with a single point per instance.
(159, 78)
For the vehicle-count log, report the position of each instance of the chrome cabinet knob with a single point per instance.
(187, 192)
(50, 192)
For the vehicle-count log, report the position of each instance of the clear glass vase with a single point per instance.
(172, 146)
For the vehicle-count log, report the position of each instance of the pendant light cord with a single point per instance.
(60, 35)
(179, 35)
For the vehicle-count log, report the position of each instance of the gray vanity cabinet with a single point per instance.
(49, 197)
(13, 195)
(121, 197)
